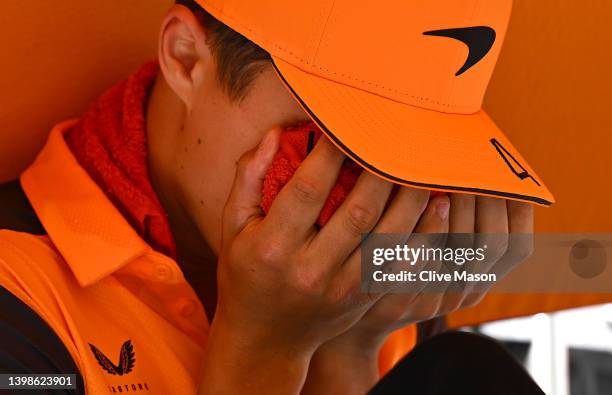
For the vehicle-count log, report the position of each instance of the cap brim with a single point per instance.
(413, 146)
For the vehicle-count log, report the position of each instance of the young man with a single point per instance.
(159, 271)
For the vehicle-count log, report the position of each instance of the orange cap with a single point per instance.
(398, 85)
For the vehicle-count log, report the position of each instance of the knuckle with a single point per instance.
(307, 191)
(269, 252)
(360, 219)
(338, 295)
(310, 284)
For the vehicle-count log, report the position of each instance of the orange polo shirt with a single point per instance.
(125, 312)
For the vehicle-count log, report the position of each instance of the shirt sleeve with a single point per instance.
(29, 345)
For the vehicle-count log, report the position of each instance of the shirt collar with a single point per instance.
(83, 224)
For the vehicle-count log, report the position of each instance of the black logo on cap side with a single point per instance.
(512, 163)
(479, 40)
(127, 359)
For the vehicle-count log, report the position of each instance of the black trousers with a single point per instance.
(457, 363)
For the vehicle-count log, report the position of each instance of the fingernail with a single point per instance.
(442, 208)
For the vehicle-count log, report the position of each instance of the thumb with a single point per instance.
(243, 203)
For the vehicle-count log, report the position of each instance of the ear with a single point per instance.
(183, 52)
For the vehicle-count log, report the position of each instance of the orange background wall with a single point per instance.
(57, 56)
(550, 93)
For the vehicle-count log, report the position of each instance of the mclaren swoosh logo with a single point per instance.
(127, 359)
(479, 39)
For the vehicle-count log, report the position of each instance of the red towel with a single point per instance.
(295, 144)
(109, 142)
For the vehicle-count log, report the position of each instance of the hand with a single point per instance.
(505, 226)
(493, 219)
(286, 287)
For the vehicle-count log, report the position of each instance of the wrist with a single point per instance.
(243, 361)
(263, 338)
(342, 367)
(356, 344)
(352, 351)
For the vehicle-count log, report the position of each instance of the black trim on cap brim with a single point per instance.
(393, 178)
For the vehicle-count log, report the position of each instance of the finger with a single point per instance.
(357, 215)
(400, 218)
(243, 204)
(432, 229)
(435, 219)
(520, 217)
(301, 200)
(398, 221)
(491, 215)
(492, 227)
(462, 223)
(462, 213)
(404, 211)
(430, 232)
(520, 240)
